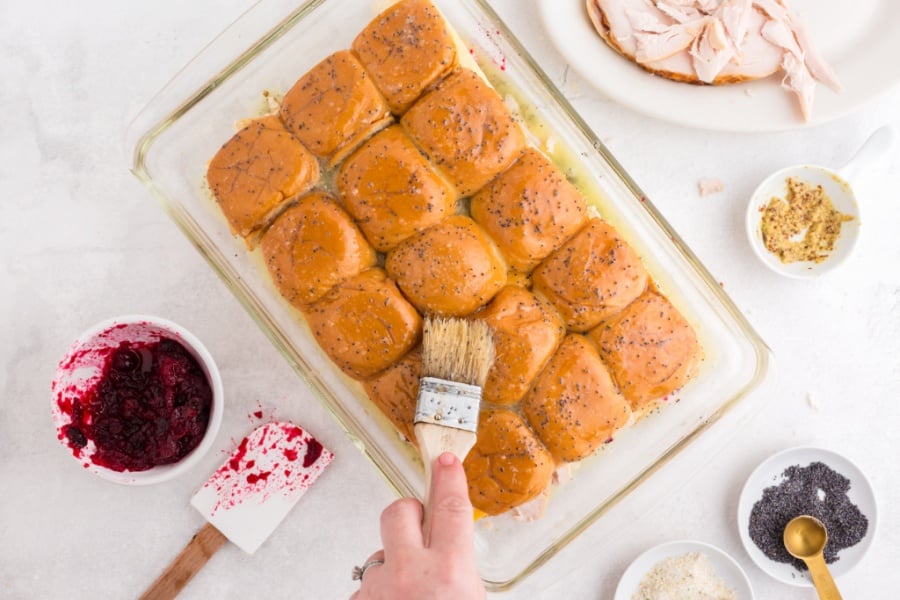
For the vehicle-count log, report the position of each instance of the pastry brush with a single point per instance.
(456, 357)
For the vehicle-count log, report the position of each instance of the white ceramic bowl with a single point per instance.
(843, 199)
(725, 567)
(769, 473)
(80, 370)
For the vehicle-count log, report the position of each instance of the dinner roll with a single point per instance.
(395, 392)
(256, 171)
(466, 130)
(312, 247)
(334, 107)
(391, 189)
(526, 332)
(650, 348)
(451, 269)
(508, 465)
(591, 277)
(529, 210)
(406, 49)
(364, 324)
(574, 405)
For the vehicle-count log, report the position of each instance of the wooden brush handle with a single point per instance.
(204, 544)
(434, 440)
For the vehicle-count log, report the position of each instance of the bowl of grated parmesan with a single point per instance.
(684, 570)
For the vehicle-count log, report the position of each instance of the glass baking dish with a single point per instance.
(268, 49)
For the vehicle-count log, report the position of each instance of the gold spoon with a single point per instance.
(805, 538)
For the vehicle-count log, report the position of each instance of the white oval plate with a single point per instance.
(725, 567)
(856, 38)
(769, 473)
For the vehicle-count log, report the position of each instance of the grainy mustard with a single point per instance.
(803, 226)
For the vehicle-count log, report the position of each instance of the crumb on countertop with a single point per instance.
(710, 185)
(811, 401)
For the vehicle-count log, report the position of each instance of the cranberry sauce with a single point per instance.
(150, 407)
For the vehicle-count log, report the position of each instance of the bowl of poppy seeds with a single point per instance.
(137, 400)
(806, 481)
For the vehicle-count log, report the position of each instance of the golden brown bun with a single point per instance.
(451, 269)
(364, 324)
(574, 405)
(391, 190)
(529, 210)
(406, 49)
(395, 390)
(256, 171)
(312, 247)
(526, 332)
(508, 465)
(650, 349)
(334, 107)
(591, 277)
(466, 130)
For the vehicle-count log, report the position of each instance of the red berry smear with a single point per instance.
(277, 458)
(150, 406)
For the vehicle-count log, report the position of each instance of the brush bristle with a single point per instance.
(457, 350)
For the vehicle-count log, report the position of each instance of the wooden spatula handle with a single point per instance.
(199, 550)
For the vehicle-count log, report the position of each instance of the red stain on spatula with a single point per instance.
(277, 458)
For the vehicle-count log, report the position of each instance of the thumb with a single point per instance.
(451, 517)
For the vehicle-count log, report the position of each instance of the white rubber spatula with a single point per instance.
(246, 498)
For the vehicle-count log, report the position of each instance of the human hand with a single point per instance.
(443, 570)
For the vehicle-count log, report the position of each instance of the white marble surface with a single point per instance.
(81, 240)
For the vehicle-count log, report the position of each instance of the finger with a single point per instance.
(370, 576)
(401, 527)
(452, 527)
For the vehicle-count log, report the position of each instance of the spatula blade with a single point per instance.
(249, 495)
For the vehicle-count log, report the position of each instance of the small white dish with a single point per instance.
(769, 473)
(80, 370)
(725, 567)
(843, 199)
(837, 188)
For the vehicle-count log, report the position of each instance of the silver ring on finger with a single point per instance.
(359, 572)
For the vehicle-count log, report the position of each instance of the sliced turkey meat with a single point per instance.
(757, 58)
(679, 12)
(735, 15)
(799, 80)
(652, 46)
(647, 18)
(715, 41)
(778, 33)
(534, 509)
(707, 6)
(711, 51)
(774, 9)
(820, 69)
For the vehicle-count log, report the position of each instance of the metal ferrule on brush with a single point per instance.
(448, 403)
